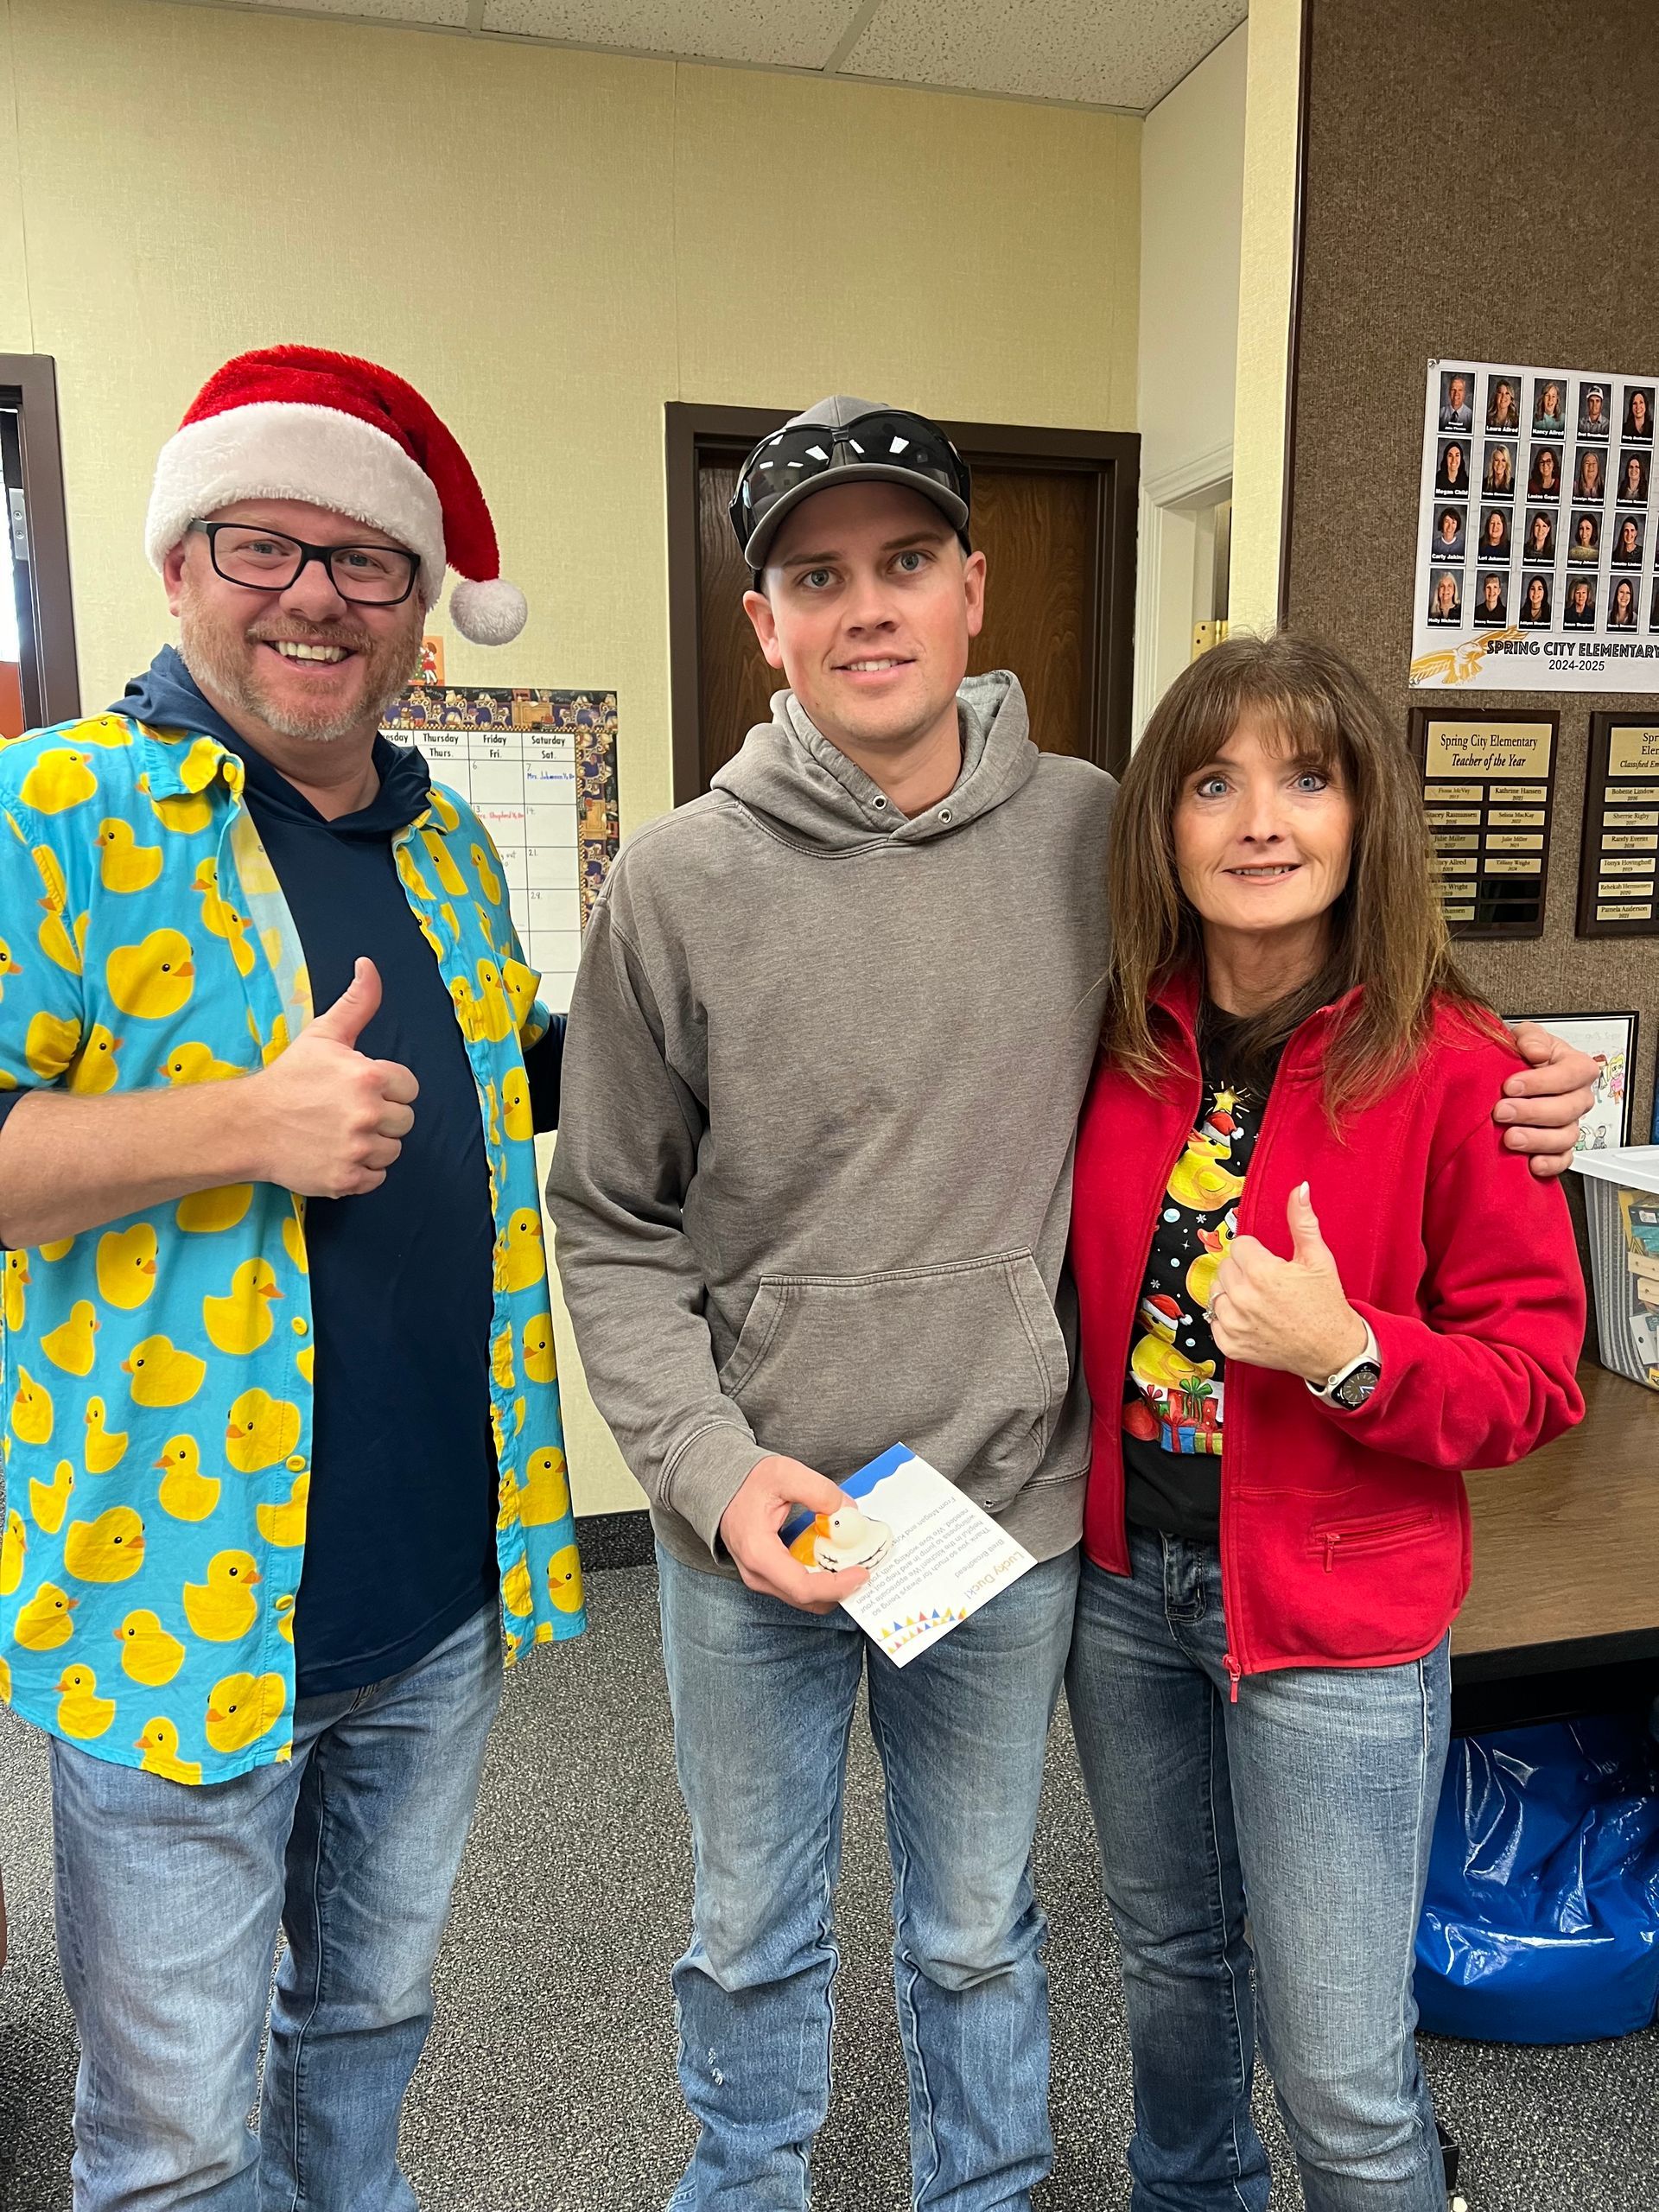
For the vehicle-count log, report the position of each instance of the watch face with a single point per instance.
(1355, 1389)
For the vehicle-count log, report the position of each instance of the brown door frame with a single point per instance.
(732, 432)
(32, 379)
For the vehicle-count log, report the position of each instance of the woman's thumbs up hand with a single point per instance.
(1287, 1314)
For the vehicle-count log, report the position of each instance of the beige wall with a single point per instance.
(1192, 199)
(1265, 258)
(551, 244)
(1191, 178)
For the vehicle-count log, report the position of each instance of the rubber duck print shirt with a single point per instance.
(1174, 1395)
(157, 1386)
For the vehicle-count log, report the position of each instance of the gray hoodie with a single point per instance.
(814, 1171)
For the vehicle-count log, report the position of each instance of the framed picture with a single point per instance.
(1609, 1040)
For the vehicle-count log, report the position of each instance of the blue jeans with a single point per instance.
(764, 1698)
(1313, 1797)
(168, 1900)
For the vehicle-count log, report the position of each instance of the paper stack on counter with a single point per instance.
(934, 1557)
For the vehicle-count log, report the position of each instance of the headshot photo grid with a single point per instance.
(1535, 506)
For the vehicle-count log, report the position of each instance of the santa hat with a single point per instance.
(293, 423)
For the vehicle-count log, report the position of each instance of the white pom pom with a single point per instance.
(489, 614)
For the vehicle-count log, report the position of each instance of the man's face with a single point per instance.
(1593, 407)
(242, 644)
(869, 608)
(1456, 391)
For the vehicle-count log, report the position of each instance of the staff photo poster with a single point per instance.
(1536, 543)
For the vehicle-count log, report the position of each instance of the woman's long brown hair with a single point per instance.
(1388, 934)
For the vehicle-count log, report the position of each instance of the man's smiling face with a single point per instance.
(869, 608)
(306, 662)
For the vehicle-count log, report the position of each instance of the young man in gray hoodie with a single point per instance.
(826, 1047)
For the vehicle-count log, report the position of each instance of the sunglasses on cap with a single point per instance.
(886, 438)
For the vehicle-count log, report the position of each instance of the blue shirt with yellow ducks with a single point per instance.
(158, 1423)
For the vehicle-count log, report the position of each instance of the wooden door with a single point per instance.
(1055, 520)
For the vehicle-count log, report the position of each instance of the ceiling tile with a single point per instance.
(788, 33)
(452, 13)
(1116, 53)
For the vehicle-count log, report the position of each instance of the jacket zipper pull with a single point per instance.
(1234, 1670)
(1330, 1543)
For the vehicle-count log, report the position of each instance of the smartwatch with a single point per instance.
(1351, 1386)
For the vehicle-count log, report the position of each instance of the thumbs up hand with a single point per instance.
(329, 1121)
(1289, 1314)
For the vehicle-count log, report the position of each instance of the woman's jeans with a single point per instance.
(1313, 1799)
(764, 1697)
(168, 1899)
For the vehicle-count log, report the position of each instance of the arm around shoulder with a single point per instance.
(1487, 1371)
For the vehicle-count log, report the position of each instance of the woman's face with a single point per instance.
(1494, 530)
(1621, 604)
(1445, 596)
(1448, 527)
(1492, 590)
(1627, 539)
(1263, 840)
(1552, 399)
(1501, 465)
(1590, 470)
(1540, 534)
(1586, 531)
(1638, 410)
(1535, 596)
(1580, 598)
(1632, 476)
(1453, 463)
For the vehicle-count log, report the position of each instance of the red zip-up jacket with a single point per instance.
(1345, 1536)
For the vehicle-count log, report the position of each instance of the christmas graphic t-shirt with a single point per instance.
(1174, 1394)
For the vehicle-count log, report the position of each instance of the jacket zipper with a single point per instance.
(1382, 1537)
(1238, 1388)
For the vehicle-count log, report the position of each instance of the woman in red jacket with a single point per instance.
(1313, 1286)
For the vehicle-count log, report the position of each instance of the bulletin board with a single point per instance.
(1445, 249)
(539, 770)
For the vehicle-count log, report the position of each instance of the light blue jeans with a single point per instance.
(168, 1900)
(764, 1698)
(1313, 1797)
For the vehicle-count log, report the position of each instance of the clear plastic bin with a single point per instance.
(1621, 1190)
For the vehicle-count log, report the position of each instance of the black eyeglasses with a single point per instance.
(265, 560)
(906, 443)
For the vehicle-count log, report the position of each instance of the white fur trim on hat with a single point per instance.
(488, 613)
(276, 449)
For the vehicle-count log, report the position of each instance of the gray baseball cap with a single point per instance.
(893, 446)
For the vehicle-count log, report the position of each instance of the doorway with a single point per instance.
(1185, 575)
(1054, 512)
(38, 680)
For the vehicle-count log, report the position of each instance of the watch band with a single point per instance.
(1368, 1356)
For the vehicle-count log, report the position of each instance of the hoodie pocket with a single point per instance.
(964, 1362)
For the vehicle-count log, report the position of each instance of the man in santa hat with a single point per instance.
(285, 1473)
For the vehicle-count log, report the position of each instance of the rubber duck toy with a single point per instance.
(850, 1538)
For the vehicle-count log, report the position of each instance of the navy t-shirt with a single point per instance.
(400, 1530)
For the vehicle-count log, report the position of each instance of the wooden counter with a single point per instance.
(1567, 1542)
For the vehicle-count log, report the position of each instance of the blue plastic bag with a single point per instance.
(1540, 1922)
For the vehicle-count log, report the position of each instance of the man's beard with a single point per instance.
(217, 659)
